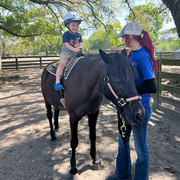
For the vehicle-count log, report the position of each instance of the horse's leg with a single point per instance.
(74, 143)
(56, 115)
(49, 116)
(92, 119)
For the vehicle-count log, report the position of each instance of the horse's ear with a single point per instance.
(124, 53)
(104, 56)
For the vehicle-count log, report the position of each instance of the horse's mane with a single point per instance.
(125, 66)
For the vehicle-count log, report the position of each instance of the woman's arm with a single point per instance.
(148, 87)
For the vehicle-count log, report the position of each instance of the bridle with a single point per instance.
(120, 103)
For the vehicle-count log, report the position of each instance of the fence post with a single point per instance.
(40, 61)
(158, 81)
(16, 63)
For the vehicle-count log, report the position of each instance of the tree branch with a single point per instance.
(18, 35)
(127, 2)
(92, 10)
(8, 9)
(56, 18)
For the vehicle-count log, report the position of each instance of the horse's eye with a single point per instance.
(117, 80)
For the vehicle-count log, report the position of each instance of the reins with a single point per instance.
(121, 102)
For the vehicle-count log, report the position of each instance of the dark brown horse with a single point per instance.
(93, 77)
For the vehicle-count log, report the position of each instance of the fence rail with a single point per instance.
(172, 104)
(168, 55)
(27, 62)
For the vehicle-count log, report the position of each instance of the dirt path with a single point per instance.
(26, 152)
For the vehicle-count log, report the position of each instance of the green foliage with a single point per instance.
(41, 22)
(25, 18)
(50, 45)
(21, 18)
(105, 39)
(149, 17)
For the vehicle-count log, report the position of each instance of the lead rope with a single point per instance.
(121, 127)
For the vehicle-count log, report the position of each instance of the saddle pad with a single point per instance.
(52, 69)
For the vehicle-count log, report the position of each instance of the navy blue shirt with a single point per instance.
(144, 66)
(73, 39)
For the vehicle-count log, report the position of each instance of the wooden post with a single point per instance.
(40, 61)
(16, 63)
(157, 80)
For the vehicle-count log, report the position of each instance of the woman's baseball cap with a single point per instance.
(130, 28)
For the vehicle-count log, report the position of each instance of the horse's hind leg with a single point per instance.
(56, 115)
(92, 119)
(49, 116)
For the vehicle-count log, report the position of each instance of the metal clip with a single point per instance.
(122, 101)
(123, 128)
(106, 79)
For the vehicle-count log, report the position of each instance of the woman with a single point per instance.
(142, 58)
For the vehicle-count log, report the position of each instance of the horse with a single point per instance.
(92, 78)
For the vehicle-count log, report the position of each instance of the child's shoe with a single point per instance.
(58, 86)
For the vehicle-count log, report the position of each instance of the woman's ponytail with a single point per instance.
(146, 42)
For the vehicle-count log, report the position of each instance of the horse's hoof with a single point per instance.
(74, 177)
(56, 129)
(98, 166)
(53, 138)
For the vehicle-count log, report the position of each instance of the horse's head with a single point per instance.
(120, 83)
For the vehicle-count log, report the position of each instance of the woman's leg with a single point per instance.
(140, 142)
(123, 161)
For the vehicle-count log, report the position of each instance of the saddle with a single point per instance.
(51, 68)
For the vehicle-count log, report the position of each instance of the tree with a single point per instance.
(27, 18)
(99, 40)
(20, 18)
(148, 16)
(105, 39)
(172, 5)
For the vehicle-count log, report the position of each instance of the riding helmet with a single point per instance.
(71, 17)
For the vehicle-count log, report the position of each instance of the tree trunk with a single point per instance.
(174, 7)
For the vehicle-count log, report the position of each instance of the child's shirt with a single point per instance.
(73, 39)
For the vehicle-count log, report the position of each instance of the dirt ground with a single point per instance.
(27, 153)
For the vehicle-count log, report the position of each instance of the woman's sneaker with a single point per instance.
(58, 86)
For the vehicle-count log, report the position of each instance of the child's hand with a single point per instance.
(81, 49)
(77, 50)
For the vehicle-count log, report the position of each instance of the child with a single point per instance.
(72, 44)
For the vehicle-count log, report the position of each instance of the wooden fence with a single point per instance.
(162, 100)
(168, 55)
(27, 62)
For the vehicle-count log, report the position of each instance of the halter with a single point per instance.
(121, 102)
